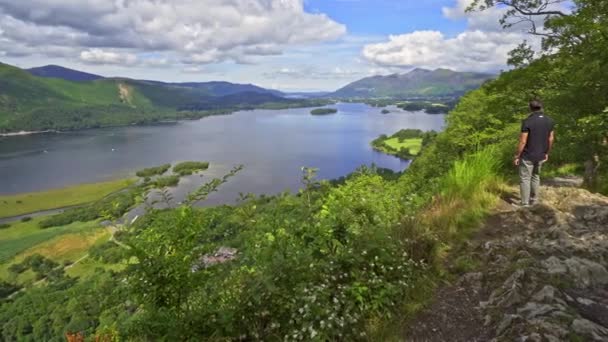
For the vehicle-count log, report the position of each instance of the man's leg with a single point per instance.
(535, 183)
(525, 176)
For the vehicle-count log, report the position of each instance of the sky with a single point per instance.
(291, 45)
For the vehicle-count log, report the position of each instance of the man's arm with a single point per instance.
(550, 145)
(523, 140)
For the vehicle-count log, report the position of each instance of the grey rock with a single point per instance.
(546, 295)
(533, 310)
(554, 265)
(221, 256)
(589, 329)
(551, 338)
(506, 322)
(535, 337)
(570, 181)
(585, 301)
(105, 223)
(548, 326)
(586, 271)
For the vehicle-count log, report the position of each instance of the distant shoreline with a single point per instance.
(20, 133)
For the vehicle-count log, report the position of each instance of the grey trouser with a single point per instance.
(529, 174)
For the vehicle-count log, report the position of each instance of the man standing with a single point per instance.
(535, 143)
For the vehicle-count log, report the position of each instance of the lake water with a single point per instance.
(272, 145)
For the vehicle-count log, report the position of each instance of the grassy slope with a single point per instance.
(413, 144)
(22, 236)
(34, 103)
(72, 243)
(69, 196)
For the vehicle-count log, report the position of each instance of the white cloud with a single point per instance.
(99, 56)
(203, 31)
(487, 20)
(313, 72)
(483, 46)
(469, 51)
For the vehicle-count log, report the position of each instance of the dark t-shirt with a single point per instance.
(538, 126)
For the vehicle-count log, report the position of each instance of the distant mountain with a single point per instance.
(217, 88)
(307, 95)
(213, 88)
(29, 102)
(415, 84)
(56, 71)
(253, 98)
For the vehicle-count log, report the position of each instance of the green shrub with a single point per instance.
(190, 167)
(323, 111)
(166, 181)
(26, 219)
(316, 266)
(153, 171)
(108, 252)
(113, 206)
(7, 289)
(5, 225)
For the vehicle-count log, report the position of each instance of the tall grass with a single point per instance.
(473, 175)
(466, 194)
(462, 198)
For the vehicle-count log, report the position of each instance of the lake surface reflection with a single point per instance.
(272, 145)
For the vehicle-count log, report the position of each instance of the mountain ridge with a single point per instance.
(215, 88)
(418, 83)
(32, 103)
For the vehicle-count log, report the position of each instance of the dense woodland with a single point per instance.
(336, 261)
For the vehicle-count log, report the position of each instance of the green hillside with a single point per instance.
(418, 83)
(32, 103)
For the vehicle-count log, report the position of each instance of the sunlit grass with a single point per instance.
(22, 236)
(414, 145)
(562, 170)
(68, 247)
(87, 267)
(13, 205)
(467, 193)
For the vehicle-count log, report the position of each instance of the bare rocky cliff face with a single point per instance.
(542, 277)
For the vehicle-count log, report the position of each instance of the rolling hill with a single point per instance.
(213, 88)
(29, 102)
(418, 83)
(56, 71)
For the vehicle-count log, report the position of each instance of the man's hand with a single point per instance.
(546, 157)
(516, 161)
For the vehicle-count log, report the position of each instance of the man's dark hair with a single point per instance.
(536, 105)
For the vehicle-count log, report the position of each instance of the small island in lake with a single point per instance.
(323, 111)
(405, 144)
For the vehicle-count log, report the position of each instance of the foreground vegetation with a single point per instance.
(14, 205)
(336, 261)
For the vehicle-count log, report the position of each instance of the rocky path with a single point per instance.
(542, 276)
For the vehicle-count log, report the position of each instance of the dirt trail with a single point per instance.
(542, 276)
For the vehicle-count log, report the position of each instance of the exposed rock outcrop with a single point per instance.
(543, 274)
